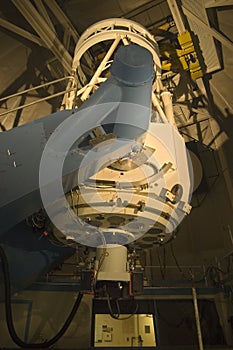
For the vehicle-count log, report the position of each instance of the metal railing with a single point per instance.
(20, 93)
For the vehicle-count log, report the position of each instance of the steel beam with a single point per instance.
(45, 32)
(66, 38)
(64, 20)
(176, 15)
(226, 42)
(217, 3)
(99, 70)
(41, 8)
(15, 29)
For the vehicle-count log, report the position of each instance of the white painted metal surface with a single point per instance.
(110, 29)
(112, 263)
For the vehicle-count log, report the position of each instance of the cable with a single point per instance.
(178, 265)
(162, 272)
(8, 310)
(170, 324)
(101, 261)
(212, 271)
(117, 316)
(175, 259)
(127, 317)
(164, 261)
